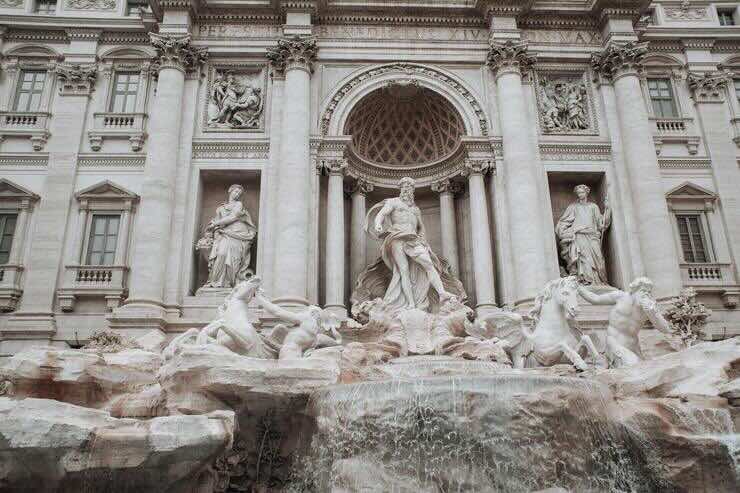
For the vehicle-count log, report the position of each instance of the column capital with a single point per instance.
(334, 166)
(360, 186)
(615, 61)
(708, 87)
(176, 51)
(477, 167)
(294, 52)
(446, 186)
(509, 56)
(76, 79)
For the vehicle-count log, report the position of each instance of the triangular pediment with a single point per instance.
(106, 190)
(688, 190)
(10, 190)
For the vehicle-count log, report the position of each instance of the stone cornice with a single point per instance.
(176, 52)
(616, 60)
(310, 6)
(509, 56)
(294, 52)
(83, 34)
(503, 8)
(159, 6)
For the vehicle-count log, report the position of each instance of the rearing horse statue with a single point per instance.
(556, 338)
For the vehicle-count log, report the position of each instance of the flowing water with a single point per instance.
(510, 432)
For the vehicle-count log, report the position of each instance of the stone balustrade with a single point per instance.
(704, 274)
(10, 286)
(118, 125)
(675, 131)
(31, 124)
(108, 281)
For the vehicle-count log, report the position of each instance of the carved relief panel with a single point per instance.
(565, 103)
(235, 99)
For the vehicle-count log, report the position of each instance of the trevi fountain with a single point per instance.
(275, 246)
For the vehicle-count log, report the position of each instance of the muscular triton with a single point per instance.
(631, 310)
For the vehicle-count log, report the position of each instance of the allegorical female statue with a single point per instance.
(580, 231)
(230, 235)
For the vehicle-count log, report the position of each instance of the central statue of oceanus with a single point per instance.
(408, 274)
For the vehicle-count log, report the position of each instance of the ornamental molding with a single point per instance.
(82, 34)
(294, 52)
(708, 87)
(299, 5)
(36, 35)
(176, 52)
(726, 46)
(665, 45)
(503, 8)
(76, 79)
(617, 60)
(509, 56)
(684, 163)
(90, 4)
(235, 97)
(408, 20)
(477, 166)
(408, 71)
(124, 38)
(106, 162)
(575, 152)
(11, 4)
(685, 12)
(554, 21)
(254, 150)
(22, 161)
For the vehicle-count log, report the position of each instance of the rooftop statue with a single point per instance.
(408, 274)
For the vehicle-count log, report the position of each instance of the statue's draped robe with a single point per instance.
(229, 258)
(382, 279)
(579, 230)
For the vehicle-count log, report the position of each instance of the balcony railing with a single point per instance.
(675, 131)
(706, 274)
(107, 281)
(118, 125)
(10, 286)
(26, 124)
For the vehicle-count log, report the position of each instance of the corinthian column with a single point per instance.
(358, 240)
(295, 56)
(175, 55)
(507, 60)
(657, 246)
(485, 291)
(447, 190)
(335, 168)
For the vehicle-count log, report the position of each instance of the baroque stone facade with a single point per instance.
(120, 139)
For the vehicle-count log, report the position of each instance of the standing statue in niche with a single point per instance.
(408, 274)
(580, 231)
(228, 237)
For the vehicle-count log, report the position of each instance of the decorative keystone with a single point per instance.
(176, 52)
(294, 52)
(509, 56)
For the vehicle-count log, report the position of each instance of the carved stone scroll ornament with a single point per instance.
(235, 103)
(510, 56)
(616, 60)
(293, 52)
(708, 87)
(563, 105)
(76, 79)
(176, 52)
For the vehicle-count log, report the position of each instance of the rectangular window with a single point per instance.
(46, 7)
(725, 17)
(101, 246)
(30, 87)
(662, 98)
(125, 88)
(135, 7)
(7, 230)
(692, 238)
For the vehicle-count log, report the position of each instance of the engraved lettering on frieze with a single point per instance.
(91, 4)
(563, 104)
(568, 37)
(235, 100)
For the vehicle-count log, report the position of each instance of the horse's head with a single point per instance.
(567, 296)
(246, 290)
(563, 292)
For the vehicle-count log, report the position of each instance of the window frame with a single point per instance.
(703, 234)
(672, 93)
(726, 11)
(89, 241)
(111, 107)
(19, 90)
(4, 214)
